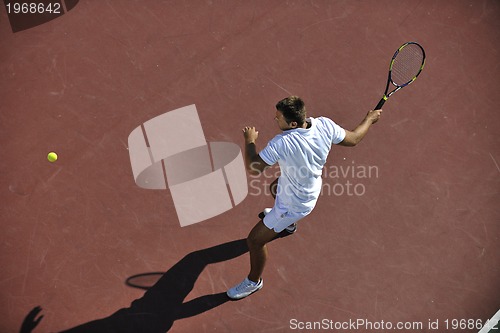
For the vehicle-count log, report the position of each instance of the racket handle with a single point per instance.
(380, 104)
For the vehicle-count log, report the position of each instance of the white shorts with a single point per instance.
(279, 218)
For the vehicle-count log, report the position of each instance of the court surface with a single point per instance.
(406, 231)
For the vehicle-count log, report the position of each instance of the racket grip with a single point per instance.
(380, 104)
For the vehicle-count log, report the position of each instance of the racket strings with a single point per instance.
(407, 64)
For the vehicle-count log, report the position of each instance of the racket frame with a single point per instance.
(389, 76)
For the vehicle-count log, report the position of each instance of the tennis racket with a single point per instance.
(405, 66)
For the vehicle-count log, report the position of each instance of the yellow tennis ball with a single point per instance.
(52, 157)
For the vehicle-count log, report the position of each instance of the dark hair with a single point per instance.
(293, 109)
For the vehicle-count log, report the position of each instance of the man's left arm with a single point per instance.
(253, 162)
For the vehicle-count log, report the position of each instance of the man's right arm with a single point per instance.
(355, 136)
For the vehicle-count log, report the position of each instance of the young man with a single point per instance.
(301, 151)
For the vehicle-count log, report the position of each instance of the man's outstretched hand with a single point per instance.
(374, 115)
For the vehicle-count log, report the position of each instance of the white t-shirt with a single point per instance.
(301, 154)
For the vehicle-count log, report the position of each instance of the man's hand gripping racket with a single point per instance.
(405, 66)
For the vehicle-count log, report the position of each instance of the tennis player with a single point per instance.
(301, 151)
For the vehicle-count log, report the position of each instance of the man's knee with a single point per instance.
(259, 236)
(253, 241)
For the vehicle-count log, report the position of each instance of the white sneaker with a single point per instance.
(244, 289)
(264, 213)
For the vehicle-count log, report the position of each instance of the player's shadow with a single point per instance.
(163, 303)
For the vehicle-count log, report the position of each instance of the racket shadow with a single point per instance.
(163, 302)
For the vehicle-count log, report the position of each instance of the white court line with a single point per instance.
(493, 321)
(494, 161)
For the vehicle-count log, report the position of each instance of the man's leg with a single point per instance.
(257, 240)
(259, 236)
